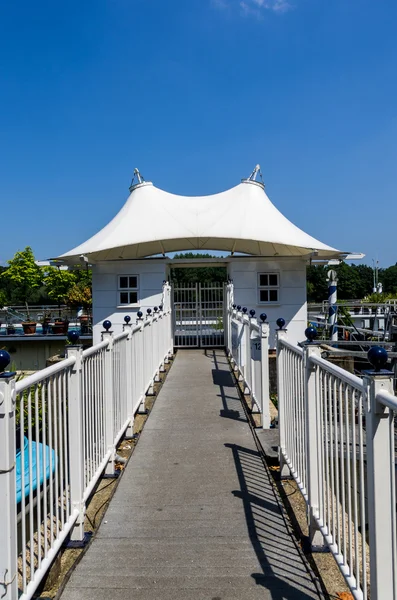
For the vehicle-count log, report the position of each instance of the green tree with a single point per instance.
(58, 283)
(389, 279)
(197, 274)
(364, 281)
(25, 276)
(317, 286)
(81, 292)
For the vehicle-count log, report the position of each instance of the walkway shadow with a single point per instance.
(284, 574)
(223, 378)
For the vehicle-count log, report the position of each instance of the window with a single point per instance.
(268, 285)
(128, 289)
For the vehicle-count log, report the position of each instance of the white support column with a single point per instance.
(314, 474)
(381, 492)
(8, 512)
(281, 334)
(265, 379)
(109, 405)
(76, 440)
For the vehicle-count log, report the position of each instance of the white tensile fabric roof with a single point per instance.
(239, 220)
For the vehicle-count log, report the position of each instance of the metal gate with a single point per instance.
(198, 313)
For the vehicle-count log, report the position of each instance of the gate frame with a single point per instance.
(199, 317)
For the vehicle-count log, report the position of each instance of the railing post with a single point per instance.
(109, 405)
(247, 359)
(255, 365)
(281, 334)
(265, 382)
(128, 378)
(8, 513)
(76, 440)
(380, 483)
(312, 444)
(156, 337)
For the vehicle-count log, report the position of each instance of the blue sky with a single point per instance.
(195, 93)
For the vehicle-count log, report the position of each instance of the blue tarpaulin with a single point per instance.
(41, 456)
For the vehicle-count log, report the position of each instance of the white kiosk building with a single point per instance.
(267, 254)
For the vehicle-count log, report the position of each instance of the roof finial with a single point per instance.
(253, 176)
(140, 179)
(255, 172)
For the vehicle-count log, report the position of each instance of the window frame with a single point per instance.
(269, 287)
(127, 290)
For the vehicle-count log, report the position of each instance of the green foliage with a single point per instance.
(36, 408)
(354, 281)
(198, 275)
(377, 298)
(59, 283)
(80, 295)
(219, 324)
(24, 274)
(3, 298)
(389, 279)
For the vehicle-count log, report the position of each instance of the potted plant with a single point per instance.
(10, 329)
(58, 282)
(80, 295)
(45, 323)
(60, 326)
(26, 276)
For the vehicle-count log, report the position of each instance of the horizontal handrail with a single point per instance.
(96, 348)
(345, 376)
(387, 399)
(291, 347)
(120, 336)
(31, 380)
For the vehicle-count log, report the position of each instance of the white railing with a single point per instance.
(337, 441)
(247, 344)
(70, 418)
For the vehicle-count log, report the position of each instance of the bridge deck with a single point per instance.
(194, 516)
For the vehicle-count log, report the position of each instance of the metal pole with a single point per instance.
(332, 307)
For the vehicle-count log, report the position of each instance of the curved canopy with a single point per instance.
(241, 219)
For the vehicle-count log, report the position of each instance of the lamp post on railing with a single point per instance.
(76, 434)
(108, 397)
(380, 478)
(281, 334)
(8, 519)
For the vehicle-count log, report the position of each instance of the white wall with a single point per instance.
(292, 294)
(152, 273)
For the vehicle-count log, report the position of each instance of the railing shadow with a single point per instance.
(232, 408)
(284, 573)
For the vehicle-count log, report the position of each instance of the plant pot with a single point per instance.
(29, 327)
(60, 328)
(10, 330)
(45, 326)
(84, 324)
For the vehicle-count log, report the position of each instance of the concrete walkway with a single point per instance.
(194, 516)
